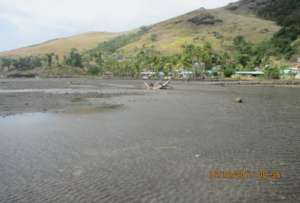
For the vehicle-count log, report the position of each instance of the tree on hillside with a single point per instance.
(200, 54)
(98, 57)
(244, 51)
(6, 62)
(50, 57)
(26, 63)
(287, 14)
(74, 58)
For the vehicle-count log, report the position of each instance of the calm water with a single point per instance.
(159, 147)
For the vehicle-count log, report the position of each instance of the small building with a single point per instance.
(184, 74)
(214, 72)
(290, 73)
(249, 73)
(147, 74)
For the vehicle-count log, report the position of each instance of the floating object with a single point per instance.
(238, 100)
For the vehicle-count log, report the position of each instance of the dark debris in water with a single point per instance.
(239, 100)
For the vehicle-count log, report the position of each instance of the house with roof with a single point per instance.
(292, 72)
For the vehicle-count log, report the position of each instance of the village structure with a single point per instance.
(198, 72)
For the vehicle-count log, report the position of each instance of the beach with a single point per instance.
(87, 140)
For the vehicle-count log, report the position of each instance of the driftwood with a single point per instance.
(157, 85)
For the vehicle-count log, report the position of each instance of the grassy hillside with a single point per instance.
(63, 45)
(218, 27)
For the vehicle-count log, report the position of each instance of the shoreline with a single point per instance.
(59, 95)
(208, 82)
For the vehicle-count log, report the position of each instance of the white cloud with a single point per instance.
(49, 18)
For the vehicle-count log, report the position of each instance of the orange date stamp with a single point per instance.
(245, 174)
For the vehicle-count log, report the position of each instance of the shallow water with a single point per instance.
(158, 147)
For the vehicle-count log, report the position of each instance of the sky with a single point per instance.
(27, 22)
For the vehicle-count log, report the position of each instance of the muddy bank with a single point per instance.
(57, 95)
(249, 82)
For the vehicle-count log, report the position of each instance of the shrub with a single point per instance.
(215, 73)
(272, 73)
(94, 71)
(228, 72)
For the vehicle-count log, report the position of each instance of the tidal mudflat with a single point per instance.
(81, 140)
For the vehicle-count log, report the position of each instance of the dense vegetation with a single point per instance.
(202, 59)
(28, 63)
(287, 14)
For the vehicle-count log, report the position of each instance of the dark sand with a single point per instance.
(76, 140)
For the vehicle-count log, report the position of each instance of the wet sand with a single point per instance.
(77, 140)
(59, 95)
